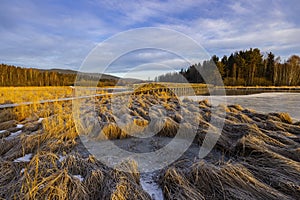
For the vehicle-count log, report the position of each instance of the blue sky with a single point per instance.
(60, 34)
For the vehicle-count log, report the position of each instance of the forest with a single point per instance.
(242, 68)
(17, 76)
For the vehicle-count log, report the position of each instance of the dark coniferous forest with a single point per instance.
(242, 68)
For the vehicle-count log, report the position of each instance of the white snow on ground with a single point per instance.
(263, 102)
(22, 170)
(79, 177)
(40, 120)
(2, 131)
(20, 126)
(13, 135)
(61, 158)
(151, 187)
(25, 158)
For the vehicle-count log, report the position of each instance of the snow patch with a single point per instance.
(2, 131)
(263, 102)
(78, 177)
(19, 126)
(40, 120)
(151, 187)
(13, 135)
(61, 158)
(25, 158)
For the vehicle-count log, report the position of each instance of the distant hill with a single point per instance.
(18, 76)
(69, 71)
(103, 76)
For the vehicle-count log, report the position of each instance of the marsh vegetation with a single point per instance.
(257, 155)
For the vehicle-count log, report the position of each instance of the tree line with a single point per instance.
(17, 76)
(244, 68)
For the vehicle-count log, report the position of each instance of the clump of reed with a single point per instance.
(47, 178)
(124, 183)
(10, 173)
(7, 115)
(61, 126)
(230, 181)
(166, 127)
(282, 173)
(111, 131)
(208, 181)
(283, 117)
(94, 182)
(176, 186)
(8, 124)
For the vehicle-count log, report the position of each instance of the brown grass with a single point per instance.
(265, 153)
(260, 152)
(7, 115)
(45, 178)
(33, 94)
(177, 186)
(230, 181)
(123, 183)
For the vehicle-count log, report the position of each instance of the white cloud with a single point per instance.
(238, 8)
(251, 24)
(53, 35)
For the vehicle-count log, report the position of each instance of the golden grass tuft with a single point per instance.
(275, 170)
(46, 178)
(236, 108)
(230, 181)
(76, 165)
(94, 182)
(59, 185)
(7, 115)
(8, 124)
(9, 175)
(177, 186)
(123, 183)
(60, 126)
(166, 127)
(111, 131)
(283, 117)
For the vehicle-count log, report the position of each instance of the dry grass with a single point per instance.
(59, 184)
(9, 176)
(260, 152)
(177, 186)
(45, 178)
(275, 170)
(6, 115)
(111, 131)
(123, 183)
(33, 94)
(230, 181)
(265, 160)
(167, 127)
(284, 117)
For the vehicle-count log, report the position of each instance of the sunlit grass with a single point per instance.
(32, 94)
(248, 138)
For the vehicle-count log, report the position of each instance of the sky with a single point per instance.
(62, 33)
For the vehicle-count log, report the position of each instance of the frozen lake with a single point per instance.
(264, 102)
